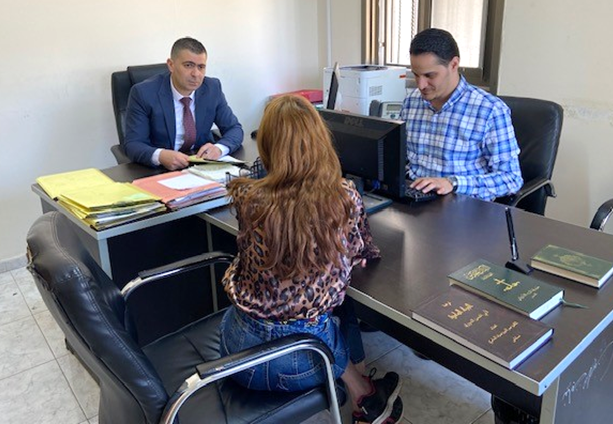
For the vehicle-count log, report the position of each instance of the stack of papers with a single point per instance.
(99, 201)
(223, 159)
(180, 189)
(58, 183)
(215, 171)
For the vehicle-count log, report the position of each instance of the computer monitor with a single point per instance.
(370, 148)
(333, 91)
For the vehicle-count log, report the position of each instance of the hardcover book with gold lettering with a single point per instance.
(512, 289)
(573, 265)
(491, 330)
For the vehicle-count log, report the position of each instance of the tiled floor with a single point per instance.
(42, 383)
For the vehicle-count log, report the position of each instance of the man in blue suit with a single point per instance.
(160, 124)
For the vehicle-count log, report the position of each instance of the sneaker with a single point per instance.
(379, 405)
(396, 414)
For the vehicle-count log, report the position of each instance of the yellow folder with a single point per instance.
(56, 184)
(104, 196)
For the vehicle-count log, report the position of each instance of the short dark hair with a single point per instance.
(187, 43)
(436, 41)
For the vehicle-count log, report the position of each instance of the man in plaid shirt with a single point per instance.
(459, 137)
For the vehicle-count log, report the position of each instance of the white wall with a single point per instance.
(55, 100)
(346, 32)
(560, 50)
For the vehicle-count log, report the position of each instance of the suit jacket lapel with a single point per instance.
(168, 107)
(201, 106)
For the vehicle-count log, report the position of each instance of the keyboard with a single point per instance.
(414, 195)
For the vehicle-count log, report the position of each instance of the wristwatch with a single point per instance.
(454, 183)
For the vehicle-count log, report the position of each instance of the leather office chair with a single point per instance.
(121, 83)
(538, 125)
(148, 384)
(602, 215)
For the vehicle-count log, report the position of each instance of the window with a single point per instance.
(475, 24)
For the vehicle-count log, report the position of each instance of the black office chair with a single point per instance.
(538, 125)
(121, 83)
(180, 373)
(602, 215)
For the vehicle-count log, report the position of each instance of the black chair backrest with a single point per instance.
(121, 84)
(90, 310)
(602, 215)
(538, 125)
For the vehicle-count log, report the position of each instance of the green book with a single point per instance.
(491, 330)
(512, 289)
(573, 265)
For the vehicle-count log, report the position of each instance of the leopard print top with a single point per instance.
(261, 295)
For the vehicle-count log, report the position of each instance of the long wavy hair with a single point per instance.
(301, 205)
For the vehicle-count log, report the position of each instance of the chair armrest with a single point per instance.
(120, 154)
(175, 268)
(248, 358)
(210, 372)
(602, 215)
(528, 189)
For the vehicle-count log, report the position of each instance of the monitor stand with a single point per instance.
(374, 202)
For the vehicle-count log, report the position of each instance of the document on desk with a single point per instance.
(106, 218)
(184, 181)
(177, 198)
(56, 184)
(223, 159)
(110, 204)
(105, 196)
(215, 171)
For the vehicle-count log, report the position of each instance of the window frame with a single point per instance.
(485, 76)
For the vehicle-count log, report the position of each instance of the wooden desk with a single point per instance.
(566, 381)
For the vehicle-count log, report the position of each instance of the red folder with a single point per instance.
(174, 198)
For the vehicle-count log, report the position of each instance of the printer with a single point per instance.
(359, 85)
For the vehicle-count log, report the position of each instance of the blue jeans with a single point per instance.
(296, 371)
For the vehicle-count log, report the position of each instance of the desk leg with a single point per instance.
(548, 406)
(220, 240)
(105, 257)
(214, 282)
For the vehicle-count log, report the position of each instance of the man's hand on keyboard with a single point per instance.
(440, 186)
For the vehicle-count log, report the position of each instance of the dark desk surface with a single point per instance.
(422, 243)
